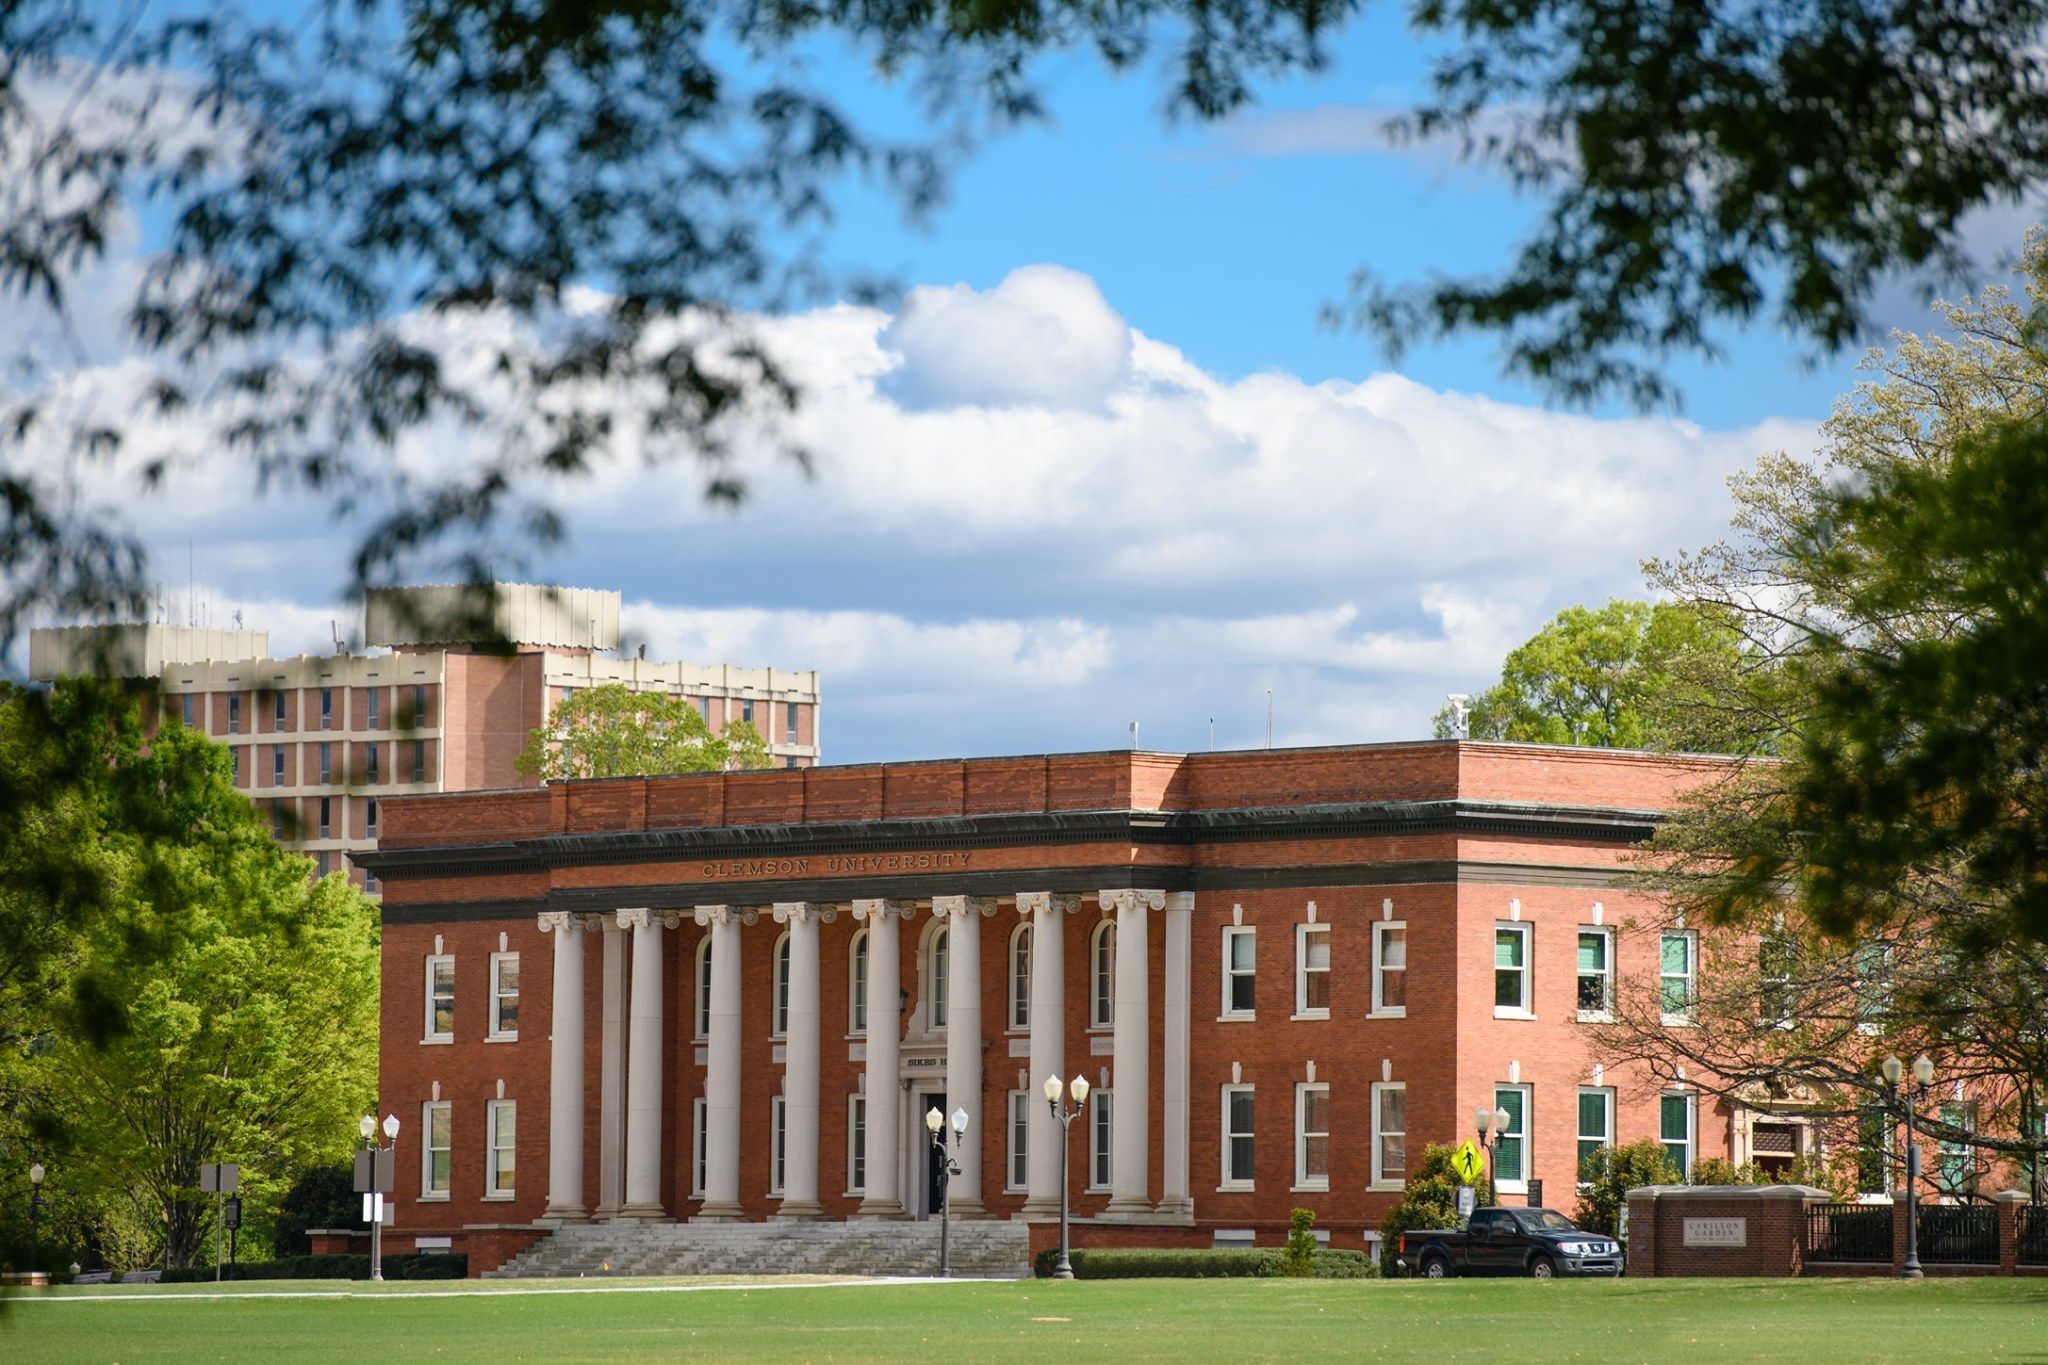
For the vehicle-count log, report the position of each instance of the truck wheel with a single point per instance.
(1436, 1266)
(1542, 1268)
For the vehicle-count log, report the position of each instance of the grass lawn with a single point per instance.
(1817, 1321)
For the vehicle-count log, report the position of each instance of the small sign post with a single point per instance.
(219, 1178)
(1468, 1199)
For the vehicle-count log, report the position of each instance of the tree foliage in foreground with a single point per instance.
(614, 731)
(1629, 675)
(222, 1006)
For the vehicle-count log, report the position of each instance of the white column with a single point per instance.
(565, 1070)
(611, 1074)
(643, 1067)
(800, 1054)
(884, 1196)
(722, 1074)
(1174, 1196)
(1048, 914)
(1130, 1175)
(964, 915)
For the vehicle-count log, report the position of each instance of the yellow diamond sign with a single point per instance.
(1467, 1162)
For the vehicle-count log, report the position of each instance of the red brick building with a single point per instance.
(1282, 971)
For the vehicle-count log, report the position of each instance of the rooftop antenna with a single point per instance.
(1212, 734)
(238, 618)
(1461, 715)
(334, 632)
(1269, 718)
(1134, 734)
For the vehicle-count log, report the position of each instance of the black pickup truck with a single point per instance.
(1496, 1241)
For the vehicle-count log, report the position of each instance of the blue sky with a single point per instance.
(1100, 464)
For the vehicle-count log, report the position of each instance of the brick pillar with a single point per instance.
(1898, 1234)
(2008, 1204)
(1642, 1232)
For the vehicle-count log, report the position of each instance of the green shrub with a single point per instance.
(324, 1197)
(1198, 1263)
(413, 1265)
(1715, 1170)
(1429, 1201)
(1606, 1177)
(1298, 1258)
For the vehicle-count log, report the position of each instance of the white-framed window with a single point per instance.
(1595, 972)
(778, 1145)
(703, 1010)
(1776, 957)
(326, 761)
(1020, 978)
(1390, 968)
(700, 1132)
(1596, 1122)
(500, 1147)
(1312, 1136)
(326, 816)
(327, 708)
(1239, 1113)
(1240, 971)
(1389, 1133)
(1511, 1155)
(856, 1144)
(1512, 997)
(857, 984)
(234, 713)
(277, 765)
(936, 974)
(440, 998)
(369, 706)
(505, 995)
(1102, 975)
(437, 1147)
(277, 710)
(1677, 951)
(419, 760)
(1017, 1165)
(370, 763)
(1675, 1128)
(778, 1021)
(1312, 971)
(187, 699)
(1101, 1117)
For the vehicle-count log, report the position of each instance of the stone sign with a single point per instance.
(1717, 1232)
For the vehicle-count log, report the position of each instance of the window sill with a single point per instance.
(1236, 1018)
(1596, 1016)
(1678, 1020)
(1100, 1028)
(504, 1197)
(440, 1198)
(437, 1040)
(1511, 1186)
(1095, 1189)
(1387, 1186)
(1239, 1187)
(1504, 1012)
(1312, 1187)
(1300, 1015)
(1389, 1012)
(501, 1037)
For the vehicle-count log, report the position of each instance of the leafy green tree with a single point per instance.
(613, 731)
(1606, 1177)
(1428, 1200)
(1629, 675)
(1298, 1257)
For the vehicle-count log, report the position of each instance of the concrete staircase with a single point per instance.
(993, 1250)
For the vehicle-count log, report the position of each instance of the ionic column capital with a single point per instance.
(644, 918)
(957, 906)
(1131, 898)
(706, 915)
(561, 921)
(868, 911)
(1050, 902)
(804, 912)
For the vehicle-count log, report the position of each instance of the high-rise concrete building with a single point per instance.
(319, 739)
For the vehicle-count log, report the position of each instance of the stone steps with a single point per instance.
(995, 1249)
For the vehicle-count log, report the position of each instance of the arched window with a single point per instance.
(704, 985)
(1102, 976)
(857, 983)
(936, 979)
(1020, 976)
(778, 1023)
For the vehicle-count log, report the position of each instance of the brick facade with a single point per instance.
(1448, 839)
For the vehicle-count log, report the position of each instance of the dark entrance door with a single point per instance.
(934, 1192)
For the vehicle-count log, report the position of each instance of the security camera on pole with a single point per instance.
(376, 1176)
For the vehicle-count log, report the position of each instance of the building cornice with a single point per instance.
(547, 853)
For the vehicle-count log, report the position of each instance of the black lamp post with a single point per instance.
(1066, 1115)
(375, 1198)
(935, 1123)
(1490, 1123)
(1923, 1076)
(35, 1218)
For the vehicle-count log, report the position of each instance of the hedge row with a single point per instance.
(1150, 1263)
(414, 1265)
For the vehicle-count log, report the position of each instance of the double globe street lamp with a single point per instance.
(373, 1200)
(946, 1168)
(1923, 1076)
(1491, 1123)
(1066, 1114)
(35, 1219)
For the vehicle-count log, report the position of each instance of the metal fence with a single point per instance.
(2033, 1234)
(1849, 1232)
(1959, 1234)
